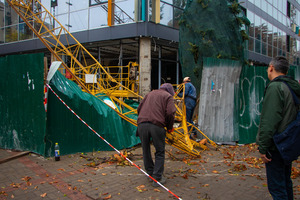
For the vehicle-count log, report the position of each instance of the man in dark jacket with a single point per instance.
(278, 111)
(155, 112)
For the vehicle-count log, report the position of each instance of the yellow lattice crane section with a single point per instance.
(94, 78)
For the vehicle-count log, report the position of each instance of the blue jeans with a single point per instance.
(279, 180)
(190, 107)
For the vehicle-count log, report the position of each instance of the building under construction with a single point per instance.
(162, 41)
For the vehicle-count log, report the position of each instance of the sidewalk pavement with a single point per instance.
(231, 172)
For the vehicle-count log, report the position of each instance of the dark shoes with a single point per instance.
(162, 181)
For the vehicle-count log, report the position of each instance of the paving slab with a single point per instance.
(230, 172)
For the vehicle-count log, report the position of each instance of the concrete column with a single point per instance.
(145, 66)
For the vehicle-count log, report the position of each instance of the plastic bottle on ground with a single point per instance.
(57, 153)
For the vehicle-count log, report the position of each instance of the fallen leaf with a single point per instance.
(108, 197)
(26, 178)
(215, 172)
(12, 196)
(104, 174)
(192, 187)
(205, 185)
(60, 169)
(43, 195)
(156, 190)
(141, 188)
(185, 176)
(80, 180)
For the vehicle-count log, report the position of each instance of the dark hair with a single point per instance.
(281, 64)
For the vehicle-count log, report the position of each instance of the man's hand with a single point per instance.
(264, 158)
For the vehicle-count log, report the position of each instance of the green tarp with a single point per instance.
(71, 133)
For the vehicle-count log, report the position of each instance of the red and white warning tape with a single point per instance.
(113, 146)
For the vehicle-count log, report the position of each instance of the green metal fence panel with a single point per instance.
(22, 124)
(73, 135)
(253, 81)
(252, 84)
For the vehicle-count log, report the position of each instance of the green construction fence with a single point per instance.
(26, 126)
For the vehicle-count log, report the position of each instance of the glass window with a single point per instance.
(2, 35)
(257, 23)
(270, 9)
(11, 33)
(63, 20)
(251, 44)
(275, 13)
(177, 15)
(25, 32)
(264, 31)
(97, 2)
(288, 21)
(275, 51)
(264, 48)
(270, 34)
(166, 15)
(79, 20)
(2, 13)
(97, 17)
(280, 42)
(11, 17)
(275, 3)
(275, 36)
(250, 16)
(168, 1)
(257, 3)
(284, 6)
(78, 5)
(46, 4)
(264, 6)
(257, 46)
(62, 7)
(124, 11)
(270, 50)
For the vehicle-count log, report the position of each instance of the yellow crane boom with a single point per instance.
(91, 76)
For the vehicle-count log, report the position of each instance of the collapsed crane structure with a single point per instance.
(97, 80)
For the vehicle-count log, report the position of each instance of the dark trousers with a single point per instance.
(279, 180)
(147, 131)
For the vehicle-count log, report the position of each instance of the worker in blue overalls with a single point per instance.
(190, 98)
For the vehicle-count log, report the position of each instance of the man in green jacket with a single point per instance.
(278, 111)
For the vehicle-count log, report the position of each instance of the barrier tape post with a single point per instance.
(112, 146)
